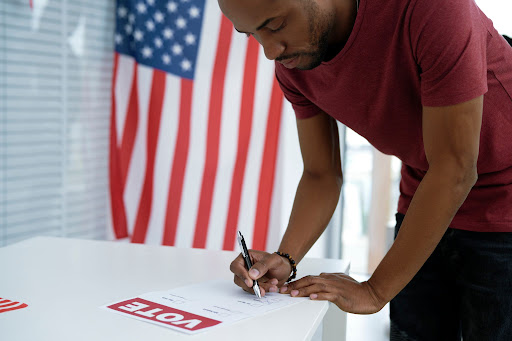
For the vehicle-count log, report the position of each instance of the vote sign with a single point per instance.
(162, 314)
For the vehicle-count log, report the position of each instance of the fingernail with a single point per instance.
(272, 289)
(254, 273)
(313, 296)
(284, 289)
(248, 283)
(294, 292)
(274, 281)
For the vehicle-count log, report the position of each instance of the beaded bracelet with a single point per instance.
(292, 263)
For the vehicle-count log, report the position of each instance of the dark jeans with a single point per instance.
(464, 289)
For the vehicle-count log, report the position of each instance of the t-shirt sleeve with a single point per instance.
(449, 43)
(303, 107)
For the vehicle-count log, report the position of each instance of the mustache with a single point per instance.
(293, 55)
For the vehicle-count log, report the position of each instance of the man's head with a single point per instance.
(296, 33)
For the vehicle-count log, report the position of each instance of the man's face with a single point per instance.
(292, 32)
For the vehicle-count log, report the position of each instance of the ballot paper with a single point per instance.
(200, 307)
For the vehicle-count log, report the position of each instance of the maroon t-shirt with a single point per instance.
(405, 54)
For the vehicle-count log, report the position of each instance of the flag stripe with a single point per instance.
(255, 155)
(4, 303)
(179, 164)
(268, 169)
(228, 141)
(130, 127)
(244, 135)
(20, 306)
(116, 186)
(213, 135)
(163, 161)
(154, 117)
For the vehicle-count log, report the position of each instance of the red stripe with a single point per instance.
(8, 304)
(154, 115)
(31, 3)
(213, 135)
(179, 163)
(130, 126)
(244, 136)
(268, 169)
(116, 184)
(13, 308)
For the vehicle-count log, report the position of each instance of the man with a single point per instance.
(429, 81)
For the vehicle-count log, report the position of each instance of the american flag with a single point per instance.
(196, 115)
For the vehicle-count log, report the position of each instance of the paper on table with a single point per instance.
(199, 307)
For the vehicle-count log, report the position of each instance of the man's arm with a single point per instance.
(315, 201)
(451, 137)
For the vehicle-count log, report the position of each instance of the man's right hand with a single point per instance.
(270, 269)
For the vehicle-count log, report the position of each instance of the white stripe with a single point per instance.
(277, 220)
(137, 168)
(163, 159)
(123, 87)
(199, 126)
(228, 145)
(250, 187)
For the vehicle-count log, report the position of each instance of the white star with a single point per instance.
(131, 18)
(193, 12)
(122, 11)
(138, 35)
(119, 39)
(172, 6)
(190, 39)
(168, 33)
(181, 22)
(141, 8)
(128, 29)
(150, 26)
(159, 17)
(151, 2)
(177, 49)
(158, 42)
(166, 59)
(147, 52)
(186, 65)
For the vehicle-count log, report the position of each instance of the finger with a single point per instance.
(260, 268)
(238, 281)
(312, 289)
(323, 296)
(238, 268)
(301, 283)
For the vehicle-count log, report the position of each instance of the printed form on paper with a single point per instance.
(199, 307)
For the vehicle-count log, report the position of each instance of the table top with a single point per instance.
(65, 281)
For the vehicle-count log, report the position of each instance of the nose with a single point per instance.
(273, 48)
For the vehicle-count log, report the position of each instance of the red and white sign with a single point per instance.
(162, 314)
(8, 305)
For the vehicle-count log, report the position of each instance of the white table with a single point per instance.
(64, 281)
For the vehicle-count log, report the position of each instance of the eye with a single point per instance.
(283, 25)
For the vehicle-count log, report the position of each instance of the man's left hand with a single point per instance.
(344, 291)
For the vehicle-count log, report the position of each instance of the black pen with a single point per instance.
(248, 263)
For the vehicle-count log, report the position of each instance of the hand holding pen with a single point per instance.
(270, 270)
(248, 262)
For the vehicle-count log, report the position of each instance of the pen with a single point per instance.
(248, 262)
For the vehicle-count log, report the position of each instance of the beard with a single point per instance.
(320, 25)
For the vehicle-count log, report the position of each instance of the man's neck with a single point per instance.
(346, 12)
